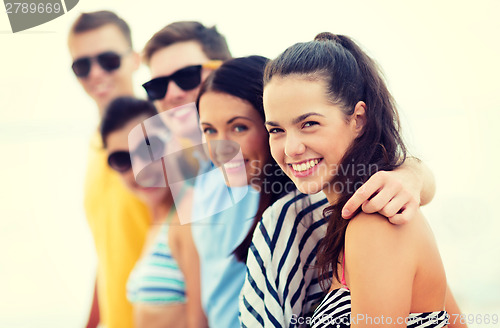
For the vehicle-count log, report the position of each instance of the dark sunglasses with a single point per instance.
(186, 78)
(121, 160)
(109, 61)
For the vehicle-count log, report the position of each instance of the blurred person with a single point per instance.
(164, 285)
(232, 122)
(104, 61)
(180, 56)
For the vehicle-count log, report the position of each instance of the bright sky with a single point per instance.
(441, 63)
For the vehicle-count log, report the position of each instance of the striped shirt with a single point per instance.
(281, 286)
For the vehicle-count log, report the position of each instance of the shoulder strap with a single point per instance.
(343, 282)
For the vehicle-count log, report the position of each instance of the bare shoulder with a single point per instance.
(373, 232)
(375, 223)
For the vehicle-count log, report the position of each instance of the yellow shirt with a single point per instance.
(119, 222)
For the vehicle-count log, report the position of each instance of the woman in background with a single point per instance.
(164, 285)
(232, 121)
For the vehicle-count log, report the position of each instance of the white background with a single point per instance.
(441, 62)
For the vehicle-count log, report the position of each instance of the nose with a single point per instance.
(174, 92)
(224, 149)
(294, 146)
(96, 70)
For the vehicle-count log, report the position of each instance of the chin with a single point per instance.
(236, 181)
(309, 188)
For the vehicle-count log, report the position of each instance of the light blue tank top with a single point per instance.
(223, 216)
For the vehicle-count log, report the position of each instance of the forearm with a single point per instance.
(94, 316)
(190, 266)
(453, 311)
(423, 178)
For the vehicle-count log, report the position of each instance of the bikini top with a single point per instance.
(335, 311)
(156, 277)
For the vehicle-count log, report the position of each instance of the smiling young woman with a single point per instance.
(327, 109)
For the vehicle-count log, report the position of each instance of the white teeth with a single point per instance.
(232, 165)
(149, 181)
(305, 166)
(181, 112)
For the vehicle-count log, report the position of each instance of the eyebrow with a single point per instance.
(296, 120)
(231, 120)
(237, 117)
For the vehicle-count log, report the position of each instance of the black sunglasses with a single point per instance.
(121, 160)
(109, 61)
(186, 78)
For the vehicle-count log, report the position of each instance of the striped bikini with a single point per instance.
(156, 277)
(335, 312)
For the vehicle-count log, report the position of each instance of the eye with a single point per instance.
(309, 124)
(209, 131)
(275, 130)
(240, 128)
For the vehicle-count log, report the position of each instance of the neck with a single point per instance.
(101, 106)
(331, 195)
(159, 213)
(160, 210)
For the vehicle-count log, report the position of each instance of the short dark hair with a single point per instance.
(121, 111)
(94, 20)
(213, 43)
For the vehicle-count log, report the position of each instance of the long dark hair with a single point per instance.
(242, 78)
(351, 76)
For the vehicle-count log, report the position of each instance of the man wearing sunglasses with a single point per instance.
(103, 61)
(180, 56)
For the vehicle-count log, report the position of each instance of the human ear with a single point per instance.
(359, 117)
(136, 60)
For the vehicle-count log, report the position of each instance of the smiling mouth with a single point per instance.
(151, 181)
(181, 113)
(306, 165)
(233, 165)
(101, 89)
